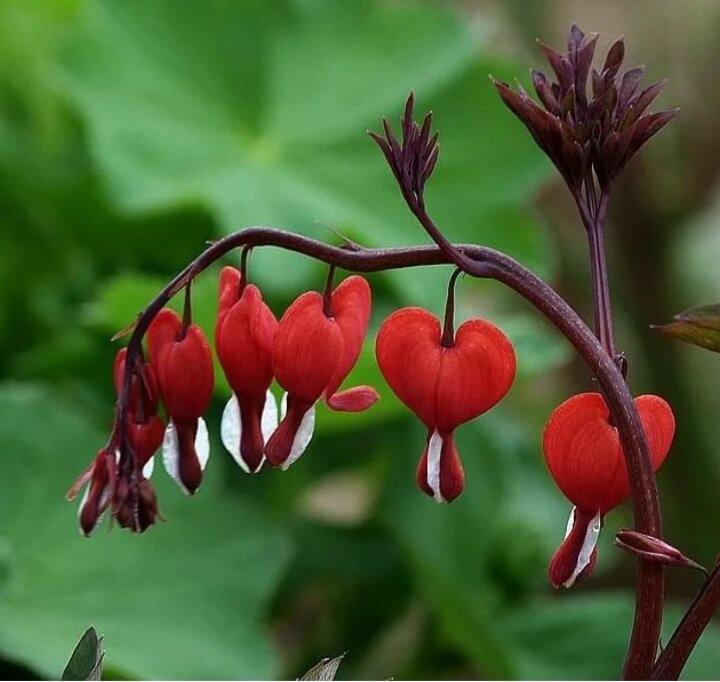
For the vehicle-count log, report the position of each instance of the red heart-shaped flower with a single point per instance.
(444, 387)
(582, 448)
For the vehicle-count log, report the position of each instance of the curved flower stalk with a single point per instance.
(584, 455)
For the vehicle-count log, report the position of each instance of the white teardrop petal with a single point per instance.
(269, 420)
(570, 523)
(588, 546)
(302, 438)
(202, 443)
(149, 468)
(283, 405)
(433, 466)
(171, 455)
(231, 431)
(83, 500)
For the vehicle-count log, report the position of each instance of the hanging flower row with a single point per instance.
(446, 379)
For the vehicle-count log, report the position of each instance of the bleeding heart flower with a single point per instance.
(583, 453)
(100, 477)
(316, 345)
(445, 386)
(244, 336)
(145, 433)
(145, 429)
(185, 377)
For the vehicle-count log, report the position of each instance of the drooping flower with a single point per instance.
(244, 335)
(100, 477)
(316, 345)
(445, 386)
(185, 379)
(584, 455)
(145, 429)
(145, 434)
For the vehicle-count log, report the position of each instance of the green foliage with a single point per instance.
(86, 659)
(699, 325)
(181, 603)
(131, 133)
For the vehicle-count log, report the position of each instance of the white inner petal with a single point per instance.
(433, 466)
(570, 523)
(588, 545)
(269, 420)
(303, 435)
(231, 428)
(171, 451)
(231, 431)
(202, 444)
(149, 468)
(171, 455)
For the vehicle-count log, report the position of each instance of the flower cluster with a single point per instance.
(584, 129)
(309, 352)
(446, 378)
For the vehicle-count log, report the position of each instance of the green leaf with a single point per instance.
(257, 111)
(86, 660)
(450, 547)
(183, 601)
(324, 670)
(580, 636)
(699, 325)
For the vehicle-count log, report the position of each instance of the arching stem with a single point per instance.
(481, 262)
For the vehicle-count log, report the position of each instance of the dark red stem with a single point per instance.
(594, 218)
(675, 655)
(448, 335)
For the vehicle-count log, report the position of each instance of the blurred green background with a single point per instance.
(132, 131)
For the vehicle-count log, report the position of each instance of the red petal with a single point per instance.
(188, 464)
(185, 373)
(354, 399)
(475, 373)
(583, 452)
(280, 444)
(243, 339)
(252, 442)
(351, 303)
(119, 370)
(445, 387)
(451, 474)
(408, 352)
(146, 438)
(144, 386)
(564, 564)
(659, 425)
(307, 349)
(228, 294)
(163, 330)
